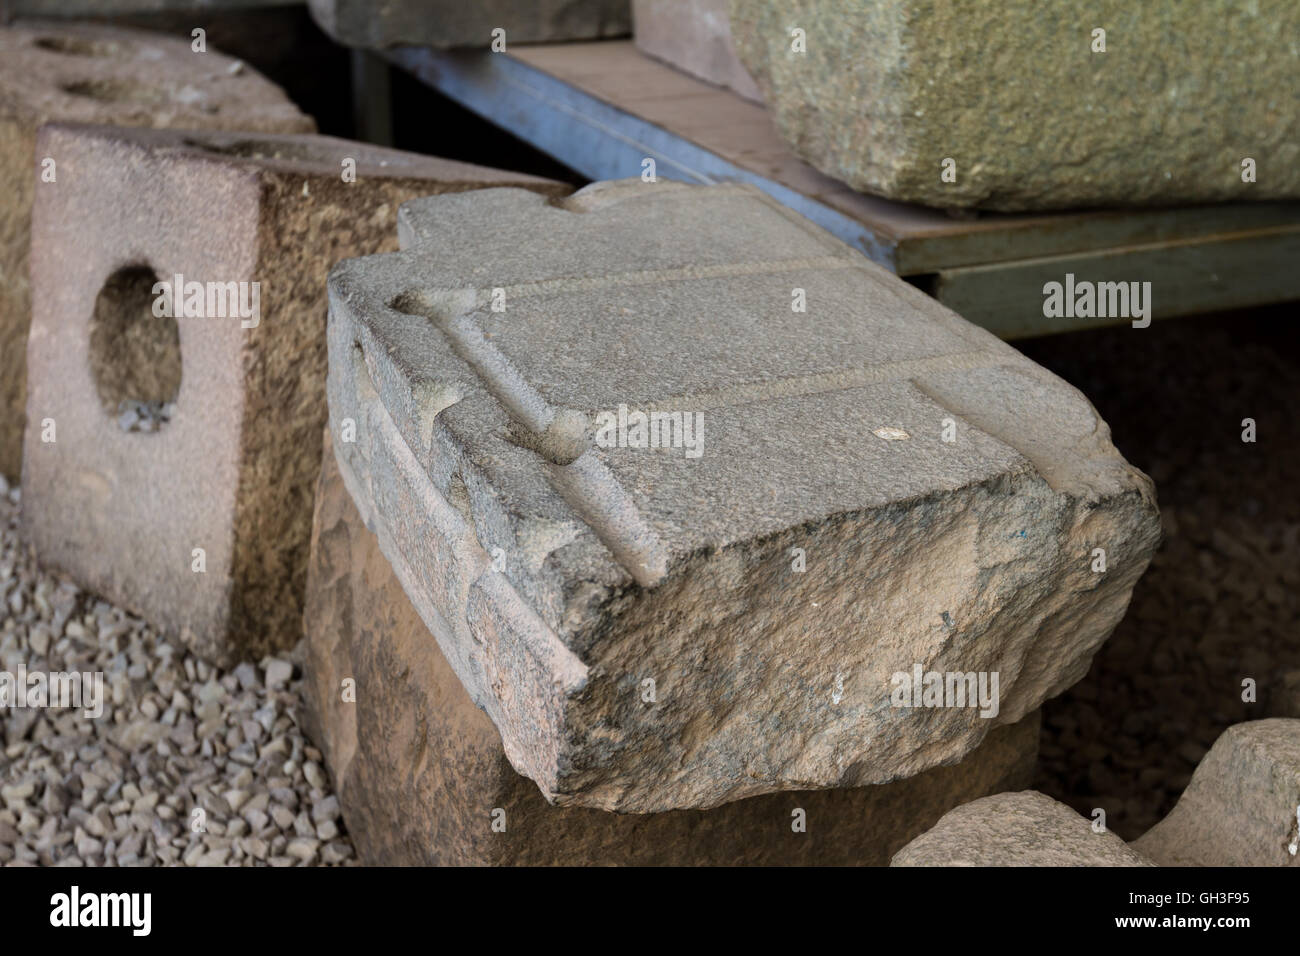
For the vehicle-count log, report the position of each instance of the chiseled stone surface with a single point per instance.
(455, 23)
(695, 37)
(1013, 92)
(561, 576)
(1016, 829)
(423, 778)
(218, 446)
(1242, 807)
(98, 74)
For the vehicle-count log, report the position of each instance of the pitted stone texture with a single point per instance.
(560, 577)
(1242, 807)
(887, 90)
(421, 770)
(1016, 829)
(94, 74)
(232, 471)
(453, 23)
(695, 37)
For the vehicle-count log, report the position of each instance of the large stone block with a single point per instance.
(1242, 807)
(695, 37)
(422, 777)
(1020, 97)
(200, 431)
(734, 612)
(1016, 829)
(95, 74)
(453, 23)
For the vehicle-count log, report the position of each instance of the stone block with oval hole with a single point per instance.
(177, 362)
(98, 74)
(836, 496)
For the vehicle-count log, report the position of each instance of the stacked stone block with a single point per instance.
(178, 361)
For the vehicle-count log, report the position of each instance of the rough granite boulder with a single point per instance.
(1016, 829)
(1242, 807)
(97, 74)
(738, 610)
(884, 92)
(454, 23)
(177, 362)
(423, 780)
(695, 37)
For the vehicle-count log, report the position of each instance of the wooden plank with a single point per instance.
(1201, 274)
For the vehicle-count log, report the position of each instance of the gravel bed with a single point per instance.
(187, 764)
(1221, 601)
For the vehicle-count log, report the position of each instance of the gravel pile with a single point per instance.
(1221, 601)
(134, 415)
(176, 737)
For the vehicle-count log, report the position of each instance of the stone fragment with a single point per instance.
(453, 23)
(97, 74)
(733, 612)
(202, 525)
(1022, 100)
(695, 37)
(278, 672)
(423, 779)
(1016, 829)
(1242, 807)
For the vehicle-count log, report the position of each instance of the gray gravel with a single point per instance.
(187, 765)
(136, 416)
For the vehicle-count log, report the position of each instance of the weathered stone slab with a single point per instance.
(1032, 117)
(695, 37)
(218, 445)
(422, 777)
(94, 74)
(1242, 807)
(451, 23)
(633, 619)
(1016, 829)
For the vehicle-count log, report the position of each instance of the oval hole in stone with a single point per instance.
(135, 356)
